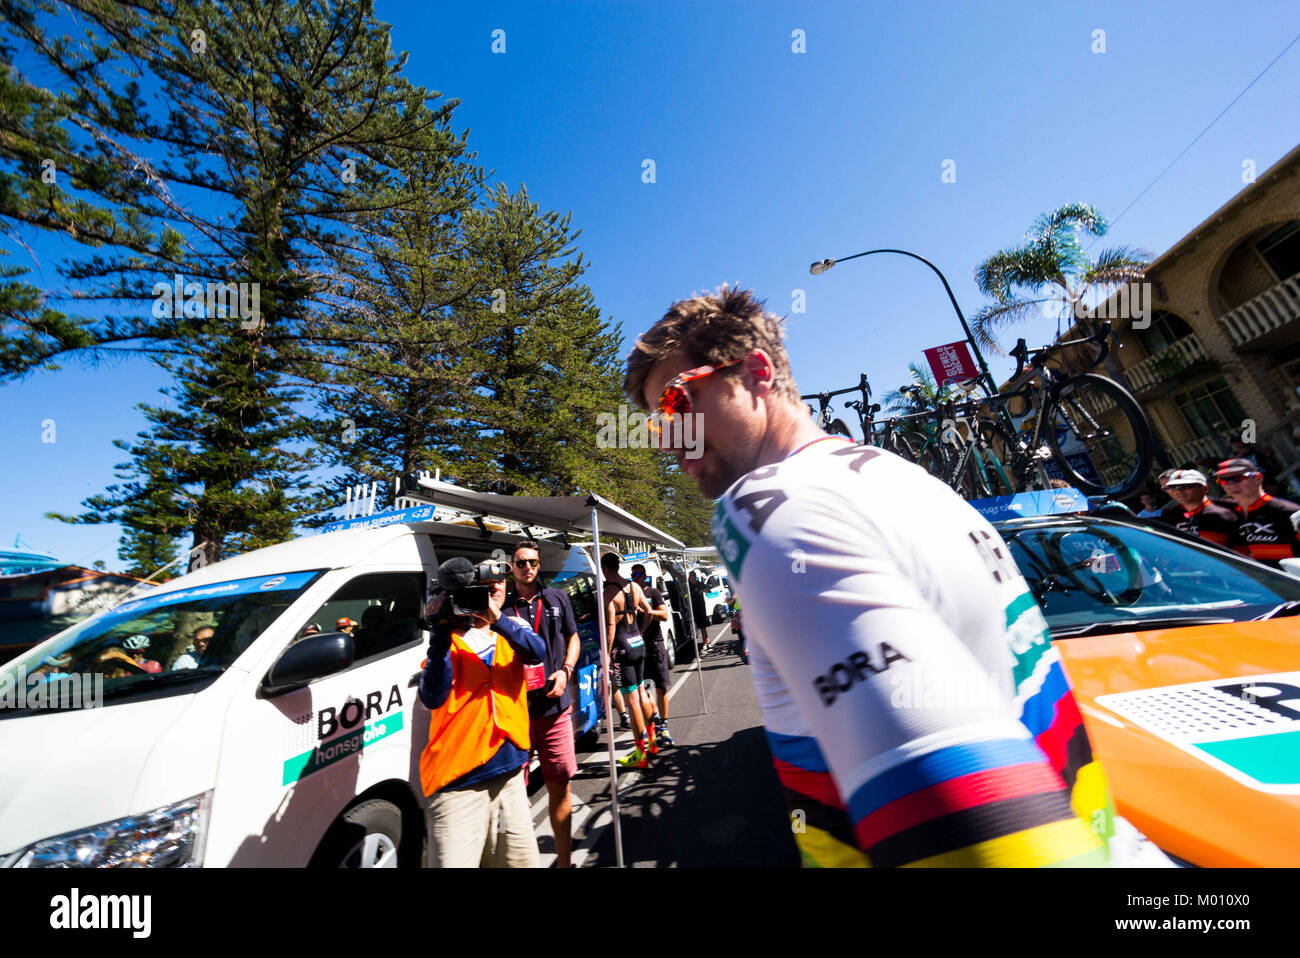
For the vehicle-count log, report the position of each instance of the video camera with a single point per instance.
(465, 583)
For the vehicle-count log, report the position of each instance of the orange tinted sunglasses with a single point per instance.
(675, 400)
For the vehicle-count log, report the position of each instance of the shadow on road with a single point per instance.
(716, 805)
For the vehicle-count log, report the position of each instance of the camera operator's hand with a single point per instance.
(493, 611)
(435, 606)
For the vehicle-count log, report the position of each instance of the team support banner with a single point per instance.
(951, 363)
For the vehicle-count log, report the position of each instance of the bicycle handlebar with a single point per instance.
(828, 393)
(1037, 357)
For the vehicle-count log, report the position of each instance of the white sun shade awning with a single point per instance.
(570, 514)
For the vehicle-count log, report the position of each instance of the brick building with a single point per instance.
(1221, 356)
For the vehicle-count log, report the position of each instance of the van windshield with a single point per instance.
(175, 641)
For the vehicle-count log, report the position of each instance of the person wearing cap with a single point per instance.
(1195, 513)
(472, 769)
(1266, 531)
(344, 624)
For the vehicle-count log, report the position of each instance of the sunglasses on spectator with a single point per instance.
(675, 400)
(527, 563)
(1245, 475)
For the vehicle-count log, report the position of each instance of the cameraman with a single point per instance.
(473, 684)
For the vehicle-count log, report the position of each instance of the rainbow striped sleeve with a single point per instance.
(817, 815)
(1048, 710)
(989, 804)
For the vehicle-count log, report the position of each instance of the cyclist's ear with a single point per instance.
(759, 372)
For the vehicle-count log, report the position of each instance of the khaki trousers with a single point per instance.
(488, 825)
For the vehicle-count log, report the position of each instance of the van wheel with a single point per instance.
(670, 647)
(365, 836)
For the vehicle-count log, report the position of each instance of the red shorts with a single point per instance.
(552, 738)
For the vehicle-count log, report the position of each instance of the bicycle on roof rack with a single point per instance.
(864, 408)
(968, 463)
(1086, 425)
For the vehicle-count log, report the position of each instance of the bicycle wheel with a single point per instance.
(1099, 435)
(897, 443)
(998, 454)
(934, 457)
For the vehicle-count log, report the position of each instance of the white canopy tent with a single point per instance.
(567, 515)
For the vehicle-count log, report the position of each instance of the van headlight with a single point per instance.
(171, 836)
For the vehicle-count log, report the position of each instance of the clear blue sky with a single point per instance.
(768, 159)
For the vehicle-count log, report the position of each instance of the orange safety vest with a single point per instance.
(486, 706)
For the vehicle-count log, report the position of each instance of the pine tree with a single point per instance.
(391, 384)
(145, 553)
(284, 124)
(543, 361)
(59, 174)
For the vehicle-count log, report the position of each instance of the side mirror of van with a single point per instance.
(311, 658)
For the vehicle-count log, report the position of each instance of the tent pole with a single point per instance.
(604, 664)
(699, 663)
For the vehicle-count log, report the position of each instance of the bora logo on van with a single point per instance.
(358, 733)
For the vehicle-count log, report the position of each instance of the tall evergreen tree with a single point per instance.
(282, 124)
(389, 383)
(60, 173)
(543, 362)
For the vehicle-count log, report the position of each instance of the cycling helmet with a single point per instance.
(137, 642)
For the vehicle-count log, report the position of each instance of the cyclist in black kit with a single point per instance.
(1266, 531)
(623, 600)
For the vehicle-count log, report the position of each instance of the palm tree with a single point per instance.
(1051, 273)
(924, 398)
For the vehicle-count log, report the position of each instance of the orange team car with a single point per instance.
(1185, 662)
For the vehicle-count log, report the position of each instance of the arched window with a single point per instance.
(1165, 329)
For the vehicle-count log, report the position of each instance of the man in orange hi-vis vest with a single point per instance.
(473, 684)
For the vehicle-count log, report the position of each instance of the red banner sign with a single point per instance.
(951, 363)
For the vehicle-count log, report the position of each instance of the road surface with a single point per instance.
(710, 801)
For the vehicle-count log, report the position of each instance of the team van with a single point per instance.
(717, 597)
(262, 711)
(662, 575)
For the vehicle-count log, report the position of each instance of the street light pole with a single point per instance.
(822, 266)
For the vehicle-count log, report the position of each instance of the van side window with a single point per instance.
(384, 608)
(581, 597)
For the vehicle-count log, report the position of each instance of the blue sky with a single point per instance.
(766, 159)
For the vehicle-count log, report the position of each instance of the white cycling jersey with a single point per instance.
(916, 710)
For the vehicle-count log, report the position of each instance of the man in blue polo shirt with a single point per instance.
(550, 700)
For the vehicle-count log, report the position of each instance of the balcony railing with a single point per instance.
(1166, 364)
(1268, 311)
(1212, 446)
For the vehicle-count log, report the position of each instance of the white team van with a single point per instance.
(661, 574)
(273, 745)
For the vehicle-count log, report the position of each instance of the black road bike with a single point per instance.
(863, 407)
(1088, 425)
